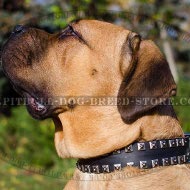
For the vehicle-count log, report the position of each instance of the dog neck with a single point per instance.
(90, 131)
(160, 123)
(143, 155)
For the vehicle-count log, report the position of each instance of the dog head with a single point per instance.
(87, 58)
(74, 62)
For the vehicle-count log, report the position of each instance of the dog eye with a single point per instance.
(69, 31)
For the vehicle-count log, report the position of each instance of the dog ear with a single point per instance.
(147, 79)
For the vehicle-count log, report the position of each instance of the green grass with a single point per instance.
(13, 178)
(183, 111)
(28, 159)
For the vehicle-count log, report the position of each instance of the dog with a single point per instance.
(92, 58)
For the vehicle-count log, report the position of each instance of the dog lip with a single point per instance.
(35, 105)
(40, 110)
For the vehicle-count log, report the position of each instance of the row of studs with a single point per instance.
(154, 145)
(166, 161)
(143, 164)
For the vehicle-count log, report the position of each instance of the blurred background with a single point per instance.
(28, 159)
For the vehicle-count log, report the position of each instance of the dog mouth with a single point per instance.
(35, 104)
(41, 109)
(38, 106)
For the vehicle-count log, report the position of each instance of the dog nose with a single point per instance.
(18, 29)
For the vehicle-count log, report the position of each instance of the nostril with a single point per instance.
(18, 29)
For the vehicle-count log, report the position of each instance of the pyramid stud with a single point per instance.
(130, 163)
(95, 169)
(173, 160)
(180, 142)
(116, 152)
(78, 166)
(117, 167)
(155, 163)
(181, 159)
(129, 149)
(172, 143)
(186, 141)
(82, 168)
(105, 168)
(141, 146)
(153, 145)
(143, 164)
(163, 144)
(165, 162)
(87, 168)
(188, 157)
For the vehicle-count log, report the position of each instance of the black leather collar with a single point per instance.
(144, 155)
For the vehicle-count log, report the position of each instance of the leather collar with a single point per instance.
(144, 155)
